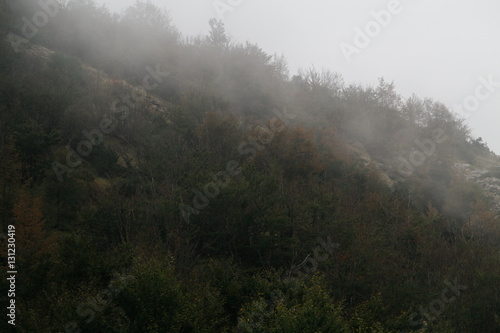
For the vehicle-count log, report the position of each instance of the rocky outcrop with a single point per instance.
(486, 179)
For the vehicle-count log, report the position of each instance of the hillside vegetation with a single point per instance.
(163, 183)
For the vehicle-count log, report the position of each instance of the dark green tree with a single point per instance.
(217, 35)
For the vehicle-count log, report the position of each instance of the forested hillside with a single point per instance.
(158, 182)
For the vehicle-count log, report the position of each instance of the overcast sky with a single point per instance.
(438, 49)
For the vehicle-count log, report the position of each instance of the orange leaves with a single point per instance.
(218, 133)
(296, 149)
(332, 147)
(373, 201)
(10, 166)
(432, 213)
(31, 239)
(10, 176)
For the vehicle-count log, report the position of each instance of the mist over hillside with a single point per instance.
(157, 182)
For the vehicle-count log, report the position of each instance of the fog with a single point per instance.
(242, 166)
(433, 49)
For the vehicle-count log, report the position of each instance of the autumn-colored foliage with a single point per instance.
(32, 240)
(298, 224)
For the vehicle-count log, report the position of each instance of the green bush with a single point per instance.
(293, 307)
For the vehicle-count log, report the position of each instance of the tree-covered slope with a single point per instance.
(162, 183)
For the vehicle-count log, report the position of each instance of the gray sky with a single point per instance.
(436, 49)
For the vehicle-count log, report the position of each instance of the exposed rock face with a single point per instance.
(386, 173)
(485, 172)
(24, 45)
(486, 179)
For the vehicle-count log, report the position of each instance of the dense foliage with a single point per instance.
(167, 184)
